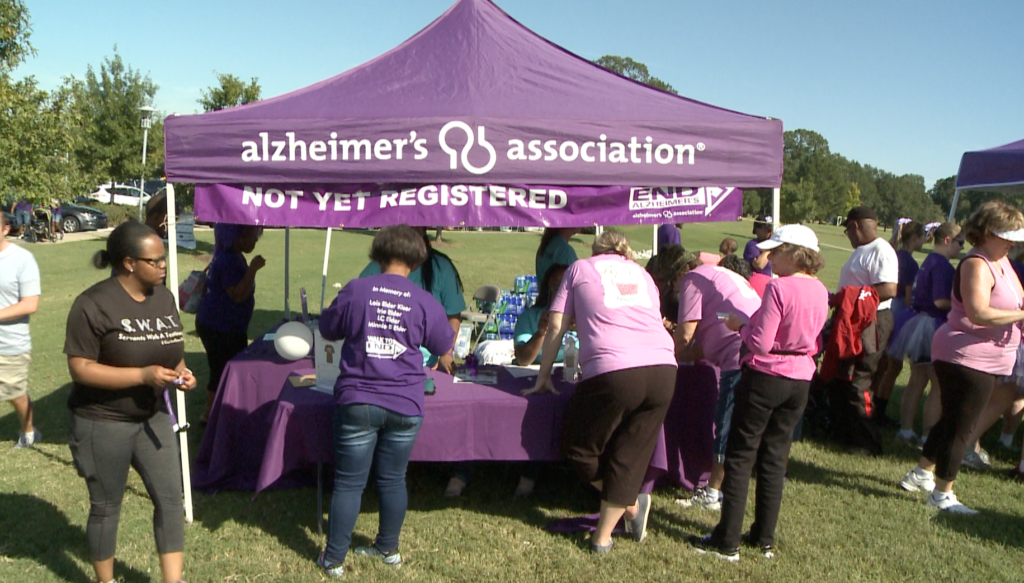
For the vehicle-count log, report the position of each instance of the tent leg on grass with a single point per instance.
(287, 254)
(172, 275)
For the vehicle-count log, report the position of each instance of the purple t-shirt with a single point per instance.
(384, 319)
(750, 253)
(783, 334)
(708, 291)
(907, 273)
(217, 311)
(934, 282)
(23, 206)
(618, 315)
(668, 234)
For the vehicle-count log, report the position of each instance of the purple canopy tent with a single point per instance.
(460, 125)
(999, 169)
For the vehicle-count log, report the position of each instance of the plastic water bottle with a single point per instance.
(570, 360)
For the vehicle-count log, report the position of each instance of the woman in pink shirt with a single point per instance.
(629, 374)
(977, 344)
(781, 339)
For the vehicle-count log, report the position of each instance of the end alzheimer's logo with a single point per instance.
(602, 150)
(670, 201)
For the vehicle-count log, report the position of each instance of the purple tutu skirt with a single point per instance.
(914, 339)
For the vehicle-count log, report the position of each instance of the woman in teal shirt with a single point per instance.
(532, 324)
(554, 249)
(438, 276)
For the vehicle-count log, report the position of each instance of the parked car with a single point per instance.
(82, 218)
(119, 194)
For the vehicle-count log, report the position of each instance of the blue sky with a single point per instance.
(902, 85)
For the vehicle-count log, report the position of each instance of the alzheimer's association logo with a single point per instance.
(387, 348)
(670, 197)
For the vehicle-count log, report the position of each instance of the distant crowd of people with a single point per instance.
(761, 319)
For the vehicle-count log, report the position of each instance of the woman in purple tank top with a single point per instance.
(977, 344)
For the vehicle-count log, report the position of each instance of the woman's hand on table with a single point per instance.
(446, 363)
(541, 387)
(158, 377)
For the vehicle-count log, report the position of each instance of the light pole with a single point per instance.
(146, 122)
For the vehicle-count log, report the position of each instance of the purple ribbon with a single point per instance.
(170, 411)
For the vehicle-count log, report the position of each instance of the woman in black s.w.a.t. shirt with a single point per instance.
(125, 347)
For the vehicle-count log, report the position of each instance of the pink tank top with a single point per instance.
(991, 349)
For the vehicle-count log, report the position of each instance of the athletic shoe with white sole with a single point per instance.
(766, 551)
(637, 526)
(330, 569)
(705, 545)
(977, 460)
(912, 482)
(949, 503)
(27, 440)
(702, 498)
(393, 559)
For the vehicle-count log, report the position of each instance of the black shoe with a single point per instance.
(766, 551)
(706, 545)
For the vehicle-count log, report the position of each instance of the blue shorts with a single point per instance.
(723, 411)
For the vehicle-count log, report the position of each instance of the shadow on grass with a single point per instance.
(812, 474)
(44, 535)
(1003, 529)
(49, 415)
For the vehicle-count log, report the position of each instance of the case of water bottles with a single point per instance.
(513, 302)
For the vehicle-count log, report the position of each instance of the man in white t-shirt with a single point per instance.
(19, 298)
(872, 264)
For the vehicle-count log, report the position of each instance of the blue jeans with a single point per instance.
(723, 411)
(366, 435)
(23, 218)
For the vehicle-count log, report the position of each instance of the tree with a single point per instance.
(14, 32)
(109, 102)
(852, 199)
(231, 92)
(634, 70)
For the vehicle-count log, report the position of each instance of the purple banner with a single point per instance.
(469, 205)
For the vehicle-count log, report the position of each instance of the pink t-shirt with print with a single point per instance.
(706, 292)
(618, 315)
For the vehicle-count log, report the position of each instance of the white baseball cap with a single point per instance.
(792, 234)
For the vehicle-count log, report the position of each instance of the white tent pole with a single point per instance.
(172, 276)
(323, 282)
(776, 207)
(654, 240)
(952, 209)
(287, 253)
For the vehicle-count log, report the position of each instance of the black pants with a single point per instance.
(964, 394)
(103, 451)
(611, 428)
(850, 401)
(767, 411)
(220, 347)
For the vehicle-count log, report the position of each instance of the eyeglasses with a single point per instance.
(959, 242)
(154, 261)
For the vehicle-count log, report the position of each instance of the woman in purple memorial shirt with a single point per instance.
(384, 319)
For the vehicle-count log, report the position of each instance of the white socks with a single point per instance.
(922, 473)
(712, 492)
(1006, 439)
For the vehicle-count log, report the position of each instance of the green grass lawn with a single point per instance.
(843, 517)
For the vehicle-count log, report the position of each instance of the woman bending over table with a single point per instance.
(225, 309)
(629, 370)
(781, 339)
(379, 393)
(977, 344)
(438, 276)
(126, 354)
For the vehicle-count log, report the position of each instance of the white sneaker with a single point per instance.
(977, 460)
(27, 440)
(912, 482)
(702, 499)
(949, 503)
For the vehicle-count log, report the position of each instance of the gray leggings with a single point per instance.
(103, 451)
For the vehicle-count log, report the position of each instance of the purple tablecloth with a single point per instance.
(461, 422)
(464, 421)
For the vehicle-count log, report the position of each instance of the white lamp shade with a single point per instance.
(293, 340)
